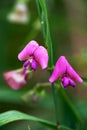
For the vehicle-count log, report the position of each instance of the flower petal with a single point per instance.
(26, 63)
(59, 69)
(72, 73)
(41, 56)
(72, 83)
(28, 50)
(34, 65)
(15, 79)
(65, 82)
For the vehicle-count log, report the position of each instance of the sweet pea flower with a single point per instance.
(64, 72)
(16, 78)
(34, 55)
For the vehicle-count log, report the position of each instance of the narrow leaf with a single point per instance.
(14, 115)
(64, 128)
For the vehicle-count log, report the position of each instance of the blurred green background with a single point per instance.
(68, 24)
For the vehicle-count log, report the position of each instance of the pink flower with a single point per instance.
(34, 55)
(64, 72)
(16, 78)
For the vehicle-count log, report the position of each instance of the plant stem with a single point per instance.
(71, 106)
(48, 45)
(48, 42)
(55, 102)
(41, 19)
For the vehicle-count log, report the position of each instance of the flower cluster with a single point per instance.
(33, 55)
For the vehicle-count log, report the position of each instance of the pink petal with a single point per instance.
(59, 69)
(34, 65)
(72, 83)
(41, 56)
(72, 73)
(65, 82)
(14, 79)
(26, 63)
(28, 50)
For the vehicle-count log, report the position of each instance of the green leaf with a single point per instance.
(64, 128)
(14, 115)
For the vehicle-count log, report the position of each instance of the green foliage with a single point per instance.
(15, 115)
(11, 116)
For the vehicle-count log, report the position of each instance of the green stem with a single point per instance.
(50, 51)
(48, 44)
(47, 36)
(71, 106)
(41, 18)
(54, 92)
